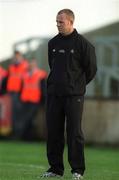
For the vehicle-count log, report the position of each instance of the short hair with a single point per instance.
(68, 12)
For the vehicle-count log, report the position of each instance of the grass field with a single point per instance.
(27, 161)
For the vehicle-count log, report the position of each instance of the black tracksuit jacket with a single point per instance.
(72, 64)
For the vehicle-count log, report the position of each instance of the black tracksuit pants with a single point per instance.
(59, 110)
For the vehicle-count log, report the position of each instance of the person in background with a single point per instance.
(3, 76)
(72, 64)
(16, 70)
(5, 118)
(32, 95)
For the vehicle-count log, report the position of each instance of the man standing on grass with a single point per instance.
(72, 64)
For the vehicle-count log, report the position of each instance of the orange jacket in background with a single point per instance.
(15, 76)
(3, 73)
(31, 91)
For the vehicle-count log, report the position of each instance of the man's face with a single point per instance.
(17, 58)
(64, 24)
(32, 65)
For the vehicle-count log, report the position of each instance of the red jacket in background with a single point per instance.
(15, 76)
(31, 91)
(3, 73)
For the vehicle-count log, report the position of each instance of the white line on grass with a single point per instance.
(24, 165)
(112, 172)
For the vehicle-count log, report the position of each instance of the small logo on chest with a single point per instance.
(61, 51)
(53, 50)
(72, 51)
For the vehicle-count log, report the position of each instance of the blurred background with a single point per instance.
(26, 27)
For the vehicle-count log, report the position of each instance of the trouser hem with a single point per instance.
(56, 171)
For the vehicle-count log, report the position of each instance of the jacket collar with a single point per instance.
(74, 33)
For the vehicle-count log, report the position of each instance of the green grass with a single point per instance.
(27, 161)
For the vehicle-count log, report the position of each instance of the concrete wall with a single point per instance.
(101, 121)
